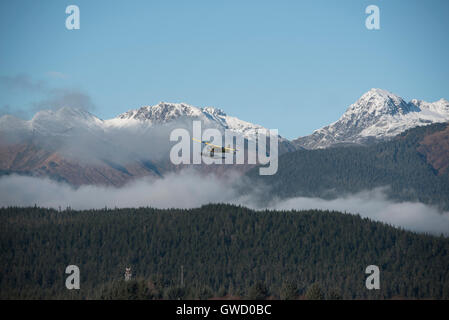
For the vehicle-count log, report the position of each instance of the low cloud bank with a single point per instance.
(188, 189)
(183, 190)
(374, 205)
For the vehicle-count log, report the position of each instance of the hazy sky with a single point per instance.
(290, 65)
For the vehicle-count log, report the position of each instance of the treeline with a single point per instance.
(223, 250)
(151, 289)
(333, 172)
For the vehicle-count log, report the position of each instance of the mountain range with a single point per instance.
(75, 146)
(67, 121)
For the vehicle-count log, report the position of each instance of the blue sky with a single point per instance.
(290, 65)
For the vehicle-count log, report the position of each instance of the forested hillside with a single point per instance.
(405, 164)
(224, 250)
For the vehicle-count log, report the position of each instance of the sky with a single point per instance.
(294, 66)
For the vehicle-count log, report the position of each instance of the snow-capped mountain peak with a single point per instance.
(64, 120)
(68, 121)
(378, 102)
(161, 113)
(168, 113)
(377, 115)
(165, 112)
(214, 111)
(66, 114)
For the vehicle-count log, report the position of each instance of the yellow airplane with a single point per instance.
(212, 148)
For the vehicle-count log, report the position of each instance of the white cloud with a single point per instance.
(188, 189)
(374, 204)
(183, 190)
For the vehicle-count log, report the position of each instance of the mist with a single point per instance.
(57, 98)
(188, 189)
(373, 204)
(51, 98)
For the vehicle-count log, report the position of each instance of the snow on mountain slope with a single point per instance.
(141, 133)
(66, 121)
(166, 113)
(377, 115)
(180, 114)
(73, 145)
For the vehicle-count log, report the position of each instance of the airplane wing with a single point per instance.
(213, 145)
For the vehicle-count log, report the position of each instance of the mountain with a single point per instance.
(377, 115)
(435, 148)
(164, 113)
(210, 117)
(413, 166)
(67, 121)
(30, 159)
(75, 146)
